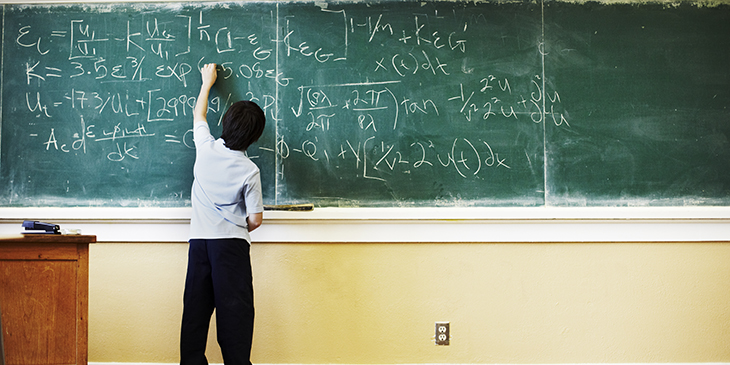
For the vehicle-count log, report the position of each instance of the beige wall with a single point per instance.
(377, 303)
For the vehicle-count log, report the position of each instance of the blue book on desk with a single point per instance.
(35, 227)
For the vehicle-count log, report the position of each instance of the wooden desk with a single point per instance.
(44, 291)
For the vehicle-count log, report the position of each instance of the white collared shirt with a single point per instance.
(226, 188)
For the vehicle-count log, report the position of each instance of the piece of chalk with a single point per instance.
(291, 207)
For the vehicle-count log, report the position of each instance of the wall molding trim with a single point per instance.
(437, 225)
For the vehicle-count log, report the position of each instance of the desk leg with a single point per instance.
(2, 342)
(82, 304)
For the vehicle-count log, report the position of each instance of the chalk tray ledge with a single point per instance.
(400, 214)
(468, 224)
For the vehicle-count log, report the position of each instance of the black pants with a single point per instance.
(219, 276)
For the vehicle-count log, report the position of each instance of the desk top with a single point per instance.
(49, 238)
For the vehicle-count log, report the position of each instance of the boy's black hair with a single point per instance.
(242, 124)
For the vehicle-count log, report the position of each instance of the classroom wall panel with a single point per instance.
(351, 303)
(608, 140)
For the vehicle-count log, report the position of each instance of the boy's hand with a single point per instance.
(209, 75)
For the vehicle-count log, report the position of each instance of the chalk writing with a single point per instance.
(378, 96)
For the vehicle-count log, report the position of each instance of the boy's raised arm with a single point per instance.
(209, 75)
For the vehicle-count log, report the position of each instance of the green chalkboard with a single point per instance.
(647, 91)
(385, 103)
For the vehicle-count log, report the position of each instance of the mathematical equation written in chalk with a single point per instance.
(372, 96)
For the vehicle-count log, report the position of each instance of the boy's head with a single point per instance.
(242, 124)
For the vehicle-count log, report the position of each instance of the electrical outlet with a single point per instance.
(443, 335)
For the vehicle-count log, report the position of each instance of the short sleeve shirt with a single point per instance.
(226, 188)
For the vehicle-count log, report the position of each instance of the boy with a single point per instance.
(227, 205)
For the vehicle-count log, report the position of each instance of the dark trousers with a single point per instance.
(219, 276)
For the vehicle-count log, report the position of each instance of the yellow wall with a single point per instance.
(377, 303)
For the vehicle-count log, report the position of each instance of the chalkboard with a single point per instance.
(647, 91)
(385, 103)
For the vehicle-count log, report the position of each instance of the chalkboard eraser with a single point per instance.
(291, 207)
